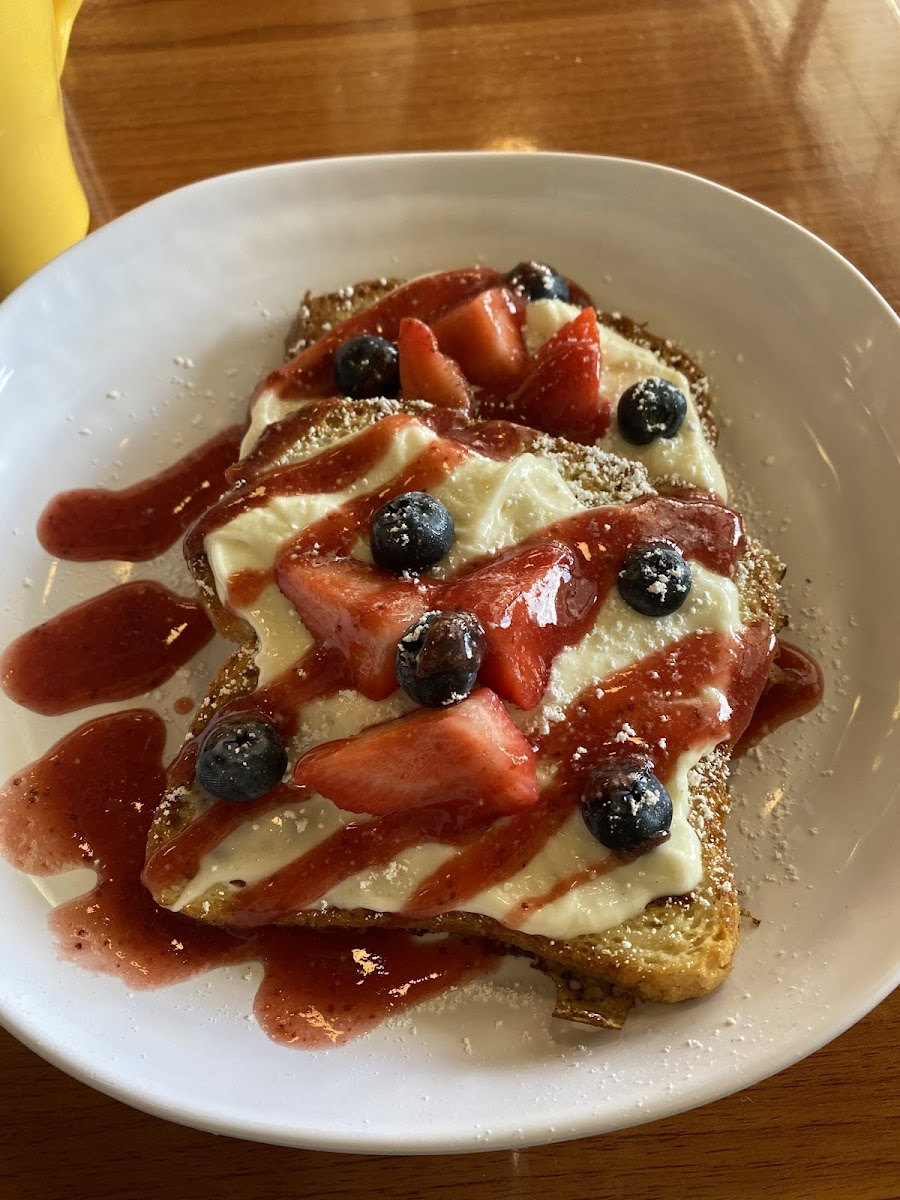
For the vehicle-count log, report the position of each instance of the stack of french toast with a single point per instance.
(497, 633)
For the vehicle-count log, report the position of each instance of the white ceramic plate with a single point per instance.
(804, 356)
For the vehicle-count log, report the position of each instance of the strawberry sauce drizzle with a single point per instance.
(245, 587)
(502, 850)
(495, 439)
(139, 522)
(523, 910)
(323, 987)
(90, 801)
(660, 697)
(342, 466)
(355, 847)
(794, 688)
(113, 647)
(278, 438)
(311, 372)
(331, 471)
(180, 857)
(318, 674)
(337, 531)
(598, 540)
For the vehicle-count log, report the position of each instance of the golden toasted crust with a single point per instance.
(588, 1001)
(318, 314)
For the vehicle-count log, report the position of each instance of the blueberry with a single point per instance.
(655, 579)
(537, 281)
(651, 408)
(438, 658)
(241, 759)
(625, 806)
(411, 533)
(367, 366)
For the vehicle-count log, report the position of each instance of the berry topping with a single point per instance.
(537, 281)
(655, 579)
(484, 335)
(562, 393)
(412, 532)
(438, 658)
(356, 609)
(525, 599)
(651, 408)
(312, 371)
(470, 753)
(366, 366)
(241, 759)
(626, 807)
(425, 373)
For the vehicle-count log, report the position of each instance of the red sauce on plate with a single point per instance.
(139, 522)
(89, 801)
(794, 688)
(323, 987)
(115, 646)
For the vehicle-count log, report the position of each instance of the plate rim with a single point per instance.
(321, 162)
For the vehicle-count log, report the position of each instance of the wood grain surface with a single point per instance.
(794, 102)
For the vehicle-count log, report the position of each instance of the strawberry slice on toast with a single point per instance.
(562, 393)
(355, 608)
(426, 373)
(524, 599)
(484, 335)
(471, 754)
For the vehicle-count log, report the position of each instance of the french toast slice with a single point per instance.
(675, 947)
(319, 314)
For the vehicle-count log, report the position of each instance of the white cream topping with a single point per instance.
(268, 408)
(258, 849)
(620, 636)
(687, 456)
(494, 504)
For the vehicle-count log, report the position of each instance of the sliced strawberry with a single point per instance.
(526, 600)
(471, 754)
(425, 373)
(562, 394)
(484, 335)
(310, 373)
(355, 608)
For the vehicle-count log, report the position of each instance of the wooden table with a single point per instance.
(795, 102)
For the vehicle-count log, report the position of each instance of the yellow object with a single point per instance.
(43, 209)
